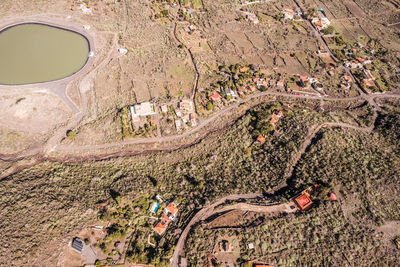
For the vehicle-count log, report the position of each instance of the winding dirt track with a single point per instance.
(280, 208)
(201, 215)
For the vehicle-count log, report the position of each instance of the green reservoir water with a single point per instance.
(33, 53)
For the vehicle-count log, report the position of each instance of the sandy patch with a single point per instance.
(34, 112)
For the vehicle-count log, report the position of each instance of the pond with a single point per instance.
(34, 53)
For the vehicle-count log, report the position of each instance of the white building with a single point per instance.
(122, 50)
(230, 92)
(178, 125)
(288, 14)
(142, 109)
(164, 109)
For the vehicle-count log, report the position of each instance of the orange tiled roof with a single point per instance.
(172, 208)
(161, 227)
(261, 139)
(215, 96)
(244, 69)
(274, 118)
(369, 82)
(303, 78)
(303, 201)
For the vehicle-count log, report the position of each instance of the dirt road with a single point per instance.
(280, 208)
(202, 215)
(210, 210)
(272, 209)
(52, 143)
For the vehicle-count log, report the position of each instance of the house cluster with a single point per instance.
(360, 61)
(216, 98)
(275, 118)
(303, 201)
(319, 19)
(346, 81)
(355, 62)
(170, 214)
(185, 114)
(306, 82)
(257, 83)
(251, 88)
(369, 79)
(140, 112)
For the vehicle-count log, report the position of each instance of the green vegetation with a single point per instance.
(227, 163)
(329, 30)
(127, 129)
(331, 232)
(71, 134)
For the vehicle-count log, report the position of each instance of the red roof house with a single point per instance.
(244, 69)
(215, 97)
(171, 211)
(347, 78)
(303, 202)
(169, 215)
(369, 83)
(274, 118)
(162, 225)
(261, 139)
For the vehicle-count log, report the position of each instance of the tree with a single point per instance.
(209, 106)
(71, 134)
(329, 30)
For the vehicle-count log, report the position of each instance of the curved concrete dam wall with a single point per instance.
(35, 53)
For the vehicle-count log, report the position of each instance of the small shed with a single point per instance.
(77, 244)
(261, 139)
(332, 196)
